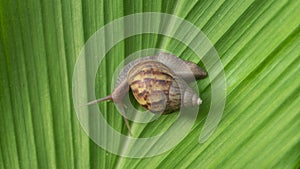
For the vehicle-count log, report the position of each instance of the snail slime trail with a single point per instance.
(156, 84)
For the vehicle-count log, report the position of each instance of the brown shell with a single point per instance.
(154, 87)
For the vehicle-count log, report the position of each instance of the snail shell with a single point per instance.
(158, 89)
(157, 84)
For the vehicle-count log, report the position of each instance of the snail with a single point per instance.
(157, 83)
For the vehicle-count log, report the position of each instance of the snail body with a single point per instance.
(158, 83)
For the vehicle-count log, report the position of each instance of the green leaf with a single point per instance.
(258, 43)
